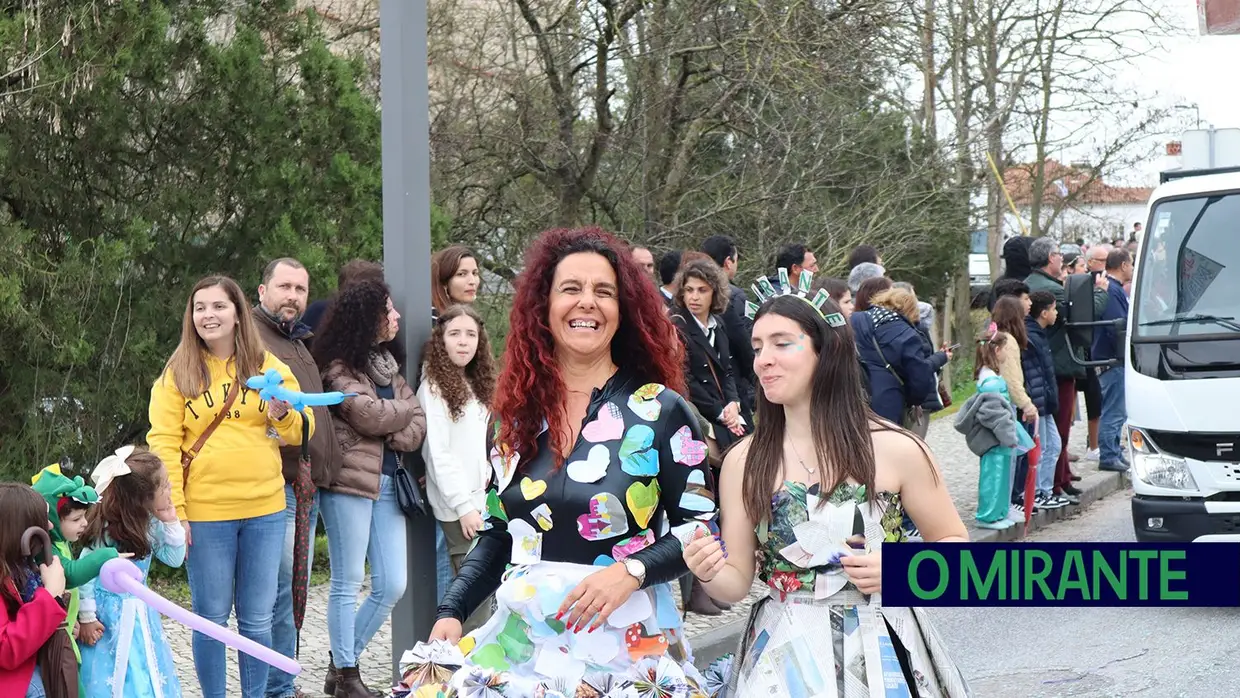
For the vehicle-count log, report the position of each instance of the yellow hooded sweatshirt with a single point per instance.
(237, 474)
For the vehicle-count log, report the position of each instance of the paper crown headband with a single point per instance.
(765, 291)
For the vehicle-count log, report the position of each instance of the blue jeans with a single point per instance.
(283, 630)
(234, 562)
(36, 684)
(443, 564)
(1114, 414)
(1048, 436)
(361, 530)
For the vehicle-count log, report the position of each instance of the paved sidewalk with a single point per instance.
(713, 635)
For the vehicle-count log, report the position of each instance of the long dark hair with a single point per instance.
(450, 380)
(23, 508)
(840, 413)
(352, 324)
(125, 507)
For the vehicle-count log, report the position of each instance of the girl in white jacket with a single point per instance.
(458, 381)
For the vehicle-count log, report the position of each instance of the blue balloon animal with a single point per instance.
(270, 386)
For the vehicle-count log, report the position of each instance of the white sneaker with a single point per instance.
(1092, 455)
(1016, 514)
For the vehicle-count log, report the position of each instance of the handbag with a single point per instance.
(408, 494)
(187, 457)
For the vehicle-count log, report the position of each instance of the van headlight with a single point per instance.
(1157, 469)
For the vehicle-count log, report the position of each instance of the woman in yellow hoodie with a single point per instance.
(228, 488)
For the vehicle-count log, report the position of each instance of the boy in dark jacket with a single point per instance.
(1038, 365)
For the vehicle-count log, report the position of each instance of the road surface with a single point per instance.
(1094, 651)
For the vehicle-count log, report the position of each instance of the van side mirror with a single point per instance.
(1081, 320)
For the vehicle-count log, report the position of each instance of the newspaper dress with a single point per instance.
(815, 635)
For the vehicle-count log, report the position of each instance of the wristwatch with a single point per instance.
(636, 569)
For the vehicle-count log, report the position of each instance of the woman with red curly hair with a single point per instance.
(600, 473)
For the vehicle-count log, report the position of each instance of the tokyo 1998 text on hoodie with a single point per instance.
(238, 472)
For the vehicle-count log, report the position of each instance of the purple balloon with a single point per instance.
(121, 576)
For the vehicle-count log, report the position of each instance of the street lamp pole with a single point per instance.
(405, 98)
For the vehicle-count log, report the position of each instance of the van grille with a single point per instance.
(1219, 448)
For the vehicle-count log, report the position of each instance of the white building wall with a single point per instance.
(1093, 222)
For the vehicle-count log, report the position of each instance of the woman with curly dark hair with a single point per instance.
(458, 381)
(363, 519)
(600, 472)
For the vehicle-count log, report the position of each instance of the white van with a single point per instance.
(1182, 361)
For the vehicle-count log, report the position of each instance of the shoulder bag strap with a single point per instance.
(886, 363)
(188, 457)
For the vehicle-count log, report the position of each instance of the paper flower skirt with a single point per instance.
(841, 647)
(525, 651)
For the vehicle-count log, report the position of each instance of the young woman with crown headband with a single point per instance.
(818, 488)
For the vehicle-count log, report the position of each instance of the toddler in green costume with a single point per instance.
(68, 499)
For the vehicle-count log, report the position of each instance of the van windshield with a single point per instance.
(1188, 279)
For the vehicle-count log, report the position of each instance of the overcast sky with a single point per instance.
(1190, 72)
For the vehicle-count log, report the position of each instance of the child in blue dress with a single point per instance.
(124, 654)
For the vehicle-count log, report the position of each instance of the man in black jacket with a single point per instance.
(722, 249)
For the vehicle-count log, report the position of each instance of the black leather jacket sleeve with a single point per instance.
(664, 560)
(480, 575)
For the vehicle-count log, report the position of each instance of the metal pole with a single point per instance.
(406, 261)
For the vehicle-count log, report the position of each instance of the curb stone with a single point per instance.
(1094, 485)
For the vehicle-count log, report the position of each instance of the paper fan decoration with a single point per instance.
(659, 677)
(483, 683)
(716, 676)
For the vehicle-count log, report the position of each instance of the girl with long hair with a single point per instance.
(135, 515)
(363, 518)
(458, 383)
(820, 460)
(599, 469)
(988, 421)
(220, 445)
(31, 609)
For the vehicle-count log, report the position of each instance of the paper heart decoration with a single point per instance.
(648, 391)
(495, 507)
(646, 408)
(642, 499)
(531, 489)
(628, 546)
(606, 518)
(593, 468)
(607, 426)
(696, 497)
(687, 450)
(542, 516)
(643, 644)
(637, 458)
(515, 640)
(596, 648)
(490, 656)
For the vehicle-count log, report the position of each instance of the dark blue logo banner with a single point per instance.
(1061, 574)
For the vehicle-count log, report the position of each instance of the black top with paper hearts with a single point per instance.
(637, 472)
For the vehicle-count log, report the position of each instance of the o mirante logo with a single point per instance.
(1061, 574)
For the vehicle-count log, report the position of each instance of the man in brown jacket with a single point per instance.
(282, 298)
